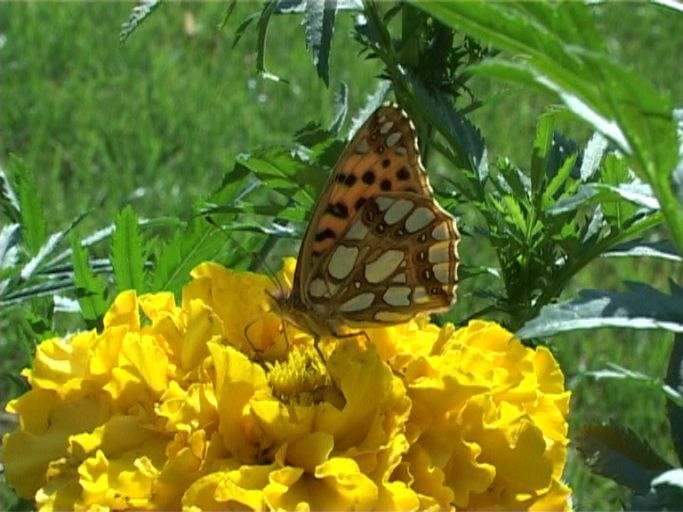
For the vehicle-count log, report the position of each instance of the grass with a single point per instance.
(158, 121)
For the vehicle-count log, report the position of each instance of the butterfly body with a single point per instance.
(378, 249)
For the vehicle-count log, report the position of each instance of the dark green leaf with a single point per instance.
(262, 25)
(642, 307)
(90, 288)
(139, 13)
(674, 379)
(666, 493)
(319, 24)
(617, 453)
(228, 13)
(242, 28)
(127, 256)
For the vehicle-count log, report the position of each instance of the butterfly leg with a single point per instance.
(246, 337)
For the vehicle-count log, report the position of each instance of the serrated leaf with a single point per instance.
(341, 108)
(47, 249)
(33, 225)
(262, 30)
(10, 235)
(644, 249)
(139, 14)
(542, 143)
(299, 6)
(642, 307)
(559, 179)
(592, 155)
(674, 379)
(616, 372)
(318, 21)
(597, 193)
(199, 242)
(462, 135)
(46, 289)
(90, 288)
(618, 453)
(127, 256)
(8, 198)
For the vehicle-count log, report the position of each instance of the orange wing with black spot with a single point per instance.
(382, 157)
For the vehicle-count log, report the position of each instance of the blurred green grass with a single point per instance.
(158, 121)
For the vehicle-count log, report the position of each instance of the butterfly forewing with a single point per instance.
(382, 157)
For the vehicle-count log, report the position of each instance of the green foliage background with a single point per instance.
(158, 121)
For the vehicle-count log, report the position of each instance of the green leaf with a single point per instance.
(674, 379)
(542, 145)
(47, 249)
(199, 242)
(90, 288)
(9, 199)
(642, 307)
(127, 256)
(10, 235)
(30, 207)
(618, 453)
(616, 372)
(563, 55)
(242, 28)
(592, 156)
(341, 108)
(597, 193)
(262, 26)
(641, 248)
(319, 24)
(139, 14)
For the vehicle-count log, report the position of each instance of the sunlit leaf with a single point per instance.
(319, 24)
(127, 252)
(139, 14)
(642, 307)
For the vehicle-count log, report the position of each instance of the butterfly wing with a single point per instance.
(397, 258)
(382, 157)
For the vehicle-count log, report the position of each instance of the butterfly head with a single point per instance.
(292, 310)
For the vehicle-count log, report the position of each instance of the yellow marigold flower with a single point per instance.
(209, 405)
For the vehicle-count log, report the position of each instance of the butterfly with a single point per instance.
(378, 249)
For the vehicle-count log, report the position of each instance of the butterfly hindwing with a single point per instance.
(397, 258)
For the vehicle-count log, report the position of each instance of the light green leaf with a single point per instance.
(127, 256)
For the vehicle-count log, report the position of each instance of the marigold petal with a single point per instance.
(203, 325)
(27, 452)
(238, 299)
(124, 311)
(310, 451)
